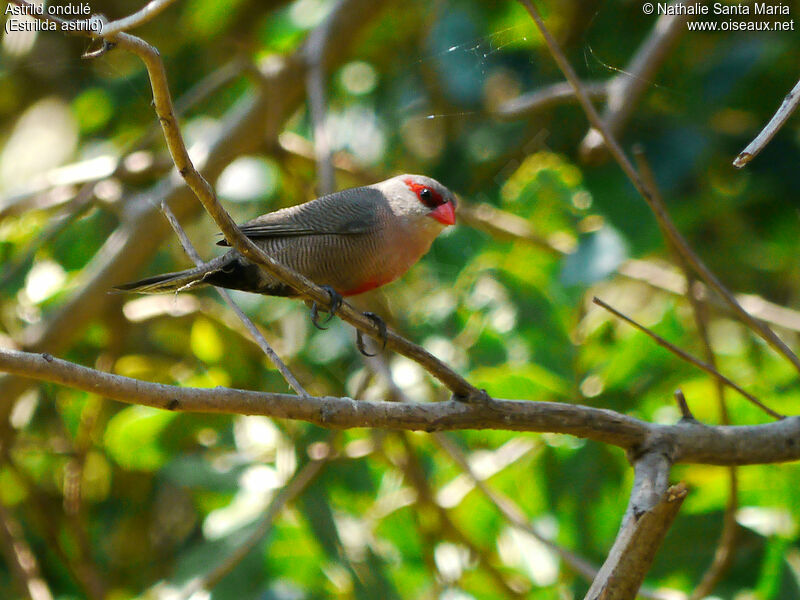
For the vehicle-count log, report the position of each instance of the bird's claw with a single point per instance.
(382, 334)
(334, 304)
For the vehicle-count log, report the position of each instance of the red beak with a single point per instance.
(444, 213)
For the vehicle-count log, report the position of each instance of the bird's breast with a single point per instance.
(352, 264)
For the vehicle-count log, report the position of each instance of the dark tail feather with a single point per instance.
(167, 282)
(228, 271)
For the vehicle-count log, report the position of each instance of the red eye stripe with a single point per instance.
(433, 200)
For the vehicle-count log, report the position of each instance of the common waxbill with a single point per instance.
(350, 242)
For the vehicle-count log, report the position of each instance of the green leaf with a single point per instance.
(525, 382)
(133, 437)
(92, 109)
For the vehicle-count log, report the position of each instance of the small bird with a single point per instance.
(348, 242)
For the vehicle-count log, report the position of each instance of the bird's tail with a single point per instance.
(228, 271)
(168, 282)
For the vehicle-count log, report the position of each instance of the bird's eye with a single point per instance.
(427, 195)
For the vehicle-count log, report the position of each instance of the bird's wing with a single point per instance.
(353, 211)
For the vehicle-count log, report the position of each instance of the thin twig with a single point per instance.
(47, 514)
(689, 358)
(148, 12)
(510, 511)
(548, 97)
(662, 278)
(626, 89)
(658, 209)
(683, 406)
(514, 515)
(787, 107)
(502, 225)
(256, 334)
(621, 93)
(698, 308)
(297, 146)
(118, 166)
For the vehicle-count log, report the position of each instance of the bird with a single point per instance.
(348, 242)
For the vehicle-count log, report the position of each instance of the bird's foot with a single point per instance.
(333, 306)
(382, 334)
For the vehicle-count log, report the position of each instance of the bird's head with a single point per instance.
(415, 196)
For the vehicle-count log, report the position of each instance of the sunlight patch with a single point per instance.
(44, 279)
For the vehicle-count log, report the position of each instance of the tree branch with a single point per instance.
(81, 203)
(689, 358)
(505, 506)
(147, 13)
(650, 481)
(552, 95)
(257, 336)
(723, 556)
(53, 523)
(688, 442)
(650, 512)
(787, 107)
(626, 89)
(504, 225)
(621, 92)
(514, 515)
(667, 280)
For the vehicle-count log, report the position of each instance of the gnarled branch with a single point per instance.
(686, 441)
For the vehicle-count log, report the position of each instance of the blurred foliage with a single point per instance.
(142, 501)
